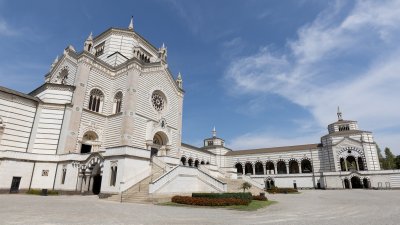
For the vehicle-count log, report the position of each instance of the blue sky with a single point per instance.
(265, 73)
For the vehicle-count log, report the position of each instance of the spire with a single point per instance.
(179, 80)
(214, 132)
(339, 114)
(130, 27)
(90, 38)
(54, 63)
(162, 52)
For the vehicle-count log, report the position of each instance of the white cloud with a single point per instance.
(351, 60)
(6, 30)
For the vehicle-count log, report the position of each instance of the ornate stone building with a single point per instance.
(108, 119)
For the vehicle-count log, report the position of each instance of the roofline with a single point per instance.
(20, 94)
(275, 149)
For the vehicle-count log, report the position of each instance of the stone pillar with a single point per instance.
(243, 169)
(358, 167)
(287, 168)
(275, 168)
(345, 164)
(77, 103)
(90, 183)
(299, 164)
(129, 106)
(254, 169)
(264, 169)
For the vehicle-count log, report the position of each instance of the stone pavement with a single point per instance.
(310, 207)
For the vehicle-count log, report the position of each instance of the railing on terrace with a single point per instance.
(252, 182)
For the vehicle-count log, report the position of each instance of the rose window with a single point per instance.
(158, 101)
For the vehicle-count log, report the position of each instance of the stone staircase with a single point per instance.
(139, 193)
(234, 185)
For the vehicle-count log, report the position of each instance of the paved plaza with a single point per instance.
(309, 207)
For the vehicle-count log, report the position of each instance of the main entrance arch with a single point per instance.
(90, 142)
(159, 144)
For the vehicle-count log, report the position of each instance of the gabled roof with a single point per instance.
(275, 149)
(20, 94)
(196, 148)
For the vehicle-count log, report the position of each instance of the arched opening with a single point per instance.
(259, 168)
(269, 183)
(202, 162)
(88, 140)
(306, 166)
(96, 179)
(270, 167)
(293, 166)
(360, 163)
(248, 168)
(159, 140)
(342, 165)
(356, 182)
(63, 76)
(346, 183)
(117, 102)
(207, 163)
(196, 163)
(351, 163)
(96, 100)
(366, 183)
(281, 167)
(239, 168)
(183, 161)
(190, 162)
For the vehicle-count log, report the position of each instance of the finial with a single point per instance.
(163, 45)
(214, 132)
(339, 114)
(90, 38)
(179, 76)
(130, 27)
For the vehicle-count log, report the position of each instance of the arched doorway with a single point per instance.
(196, 163)
(346, 183)
(96, 179)
(183, 160)
(270, 167)
(239, 168)
(202, 162)
(293, 166)
(281, 167)
(269, 183)
(248, 168)
(89, 140)
(366, 183)
(158, 147)
(356, 182)
(259, 168)
(306, 166)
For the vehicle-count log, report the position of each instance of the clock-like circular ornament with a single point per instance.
(158, 101)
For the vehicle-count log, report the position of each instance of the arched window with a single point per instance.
(281, 167)
(351, 163)
(96, 100)
(239, 168)
(259, 168)
(293, 166)
(117, 102)
(202, 162)
(306, 166)
(183, 160)
(248, 168)
(270, 167)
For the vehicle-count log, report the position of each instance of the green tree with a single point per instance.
(382, 161)
(397, 162)
(390, 159)
(245, 186)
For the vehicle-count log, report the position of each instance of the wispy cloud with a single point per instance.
(6, 30)
(341, 58)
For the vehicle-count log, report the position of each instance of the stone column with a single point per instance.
(287, 168)
(345, 164)
(358, 168)
(243, 169)
(264, 169)
(299, 164)
(254, 169)
(275, 168)
(129, 106)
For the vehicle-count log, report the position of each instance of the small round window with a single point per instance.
(158, 101)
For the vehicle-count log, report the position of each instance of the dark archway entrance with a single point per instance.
(269, 183)
(259, 168)
(96, 179)
(281, 167)
(270, 167)
(306, 166)
(356, 182)
(239, 168)
(366, 183)
(293, 166)
(183, 161)
(190, 162)
(248, 167)
(196, 163)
